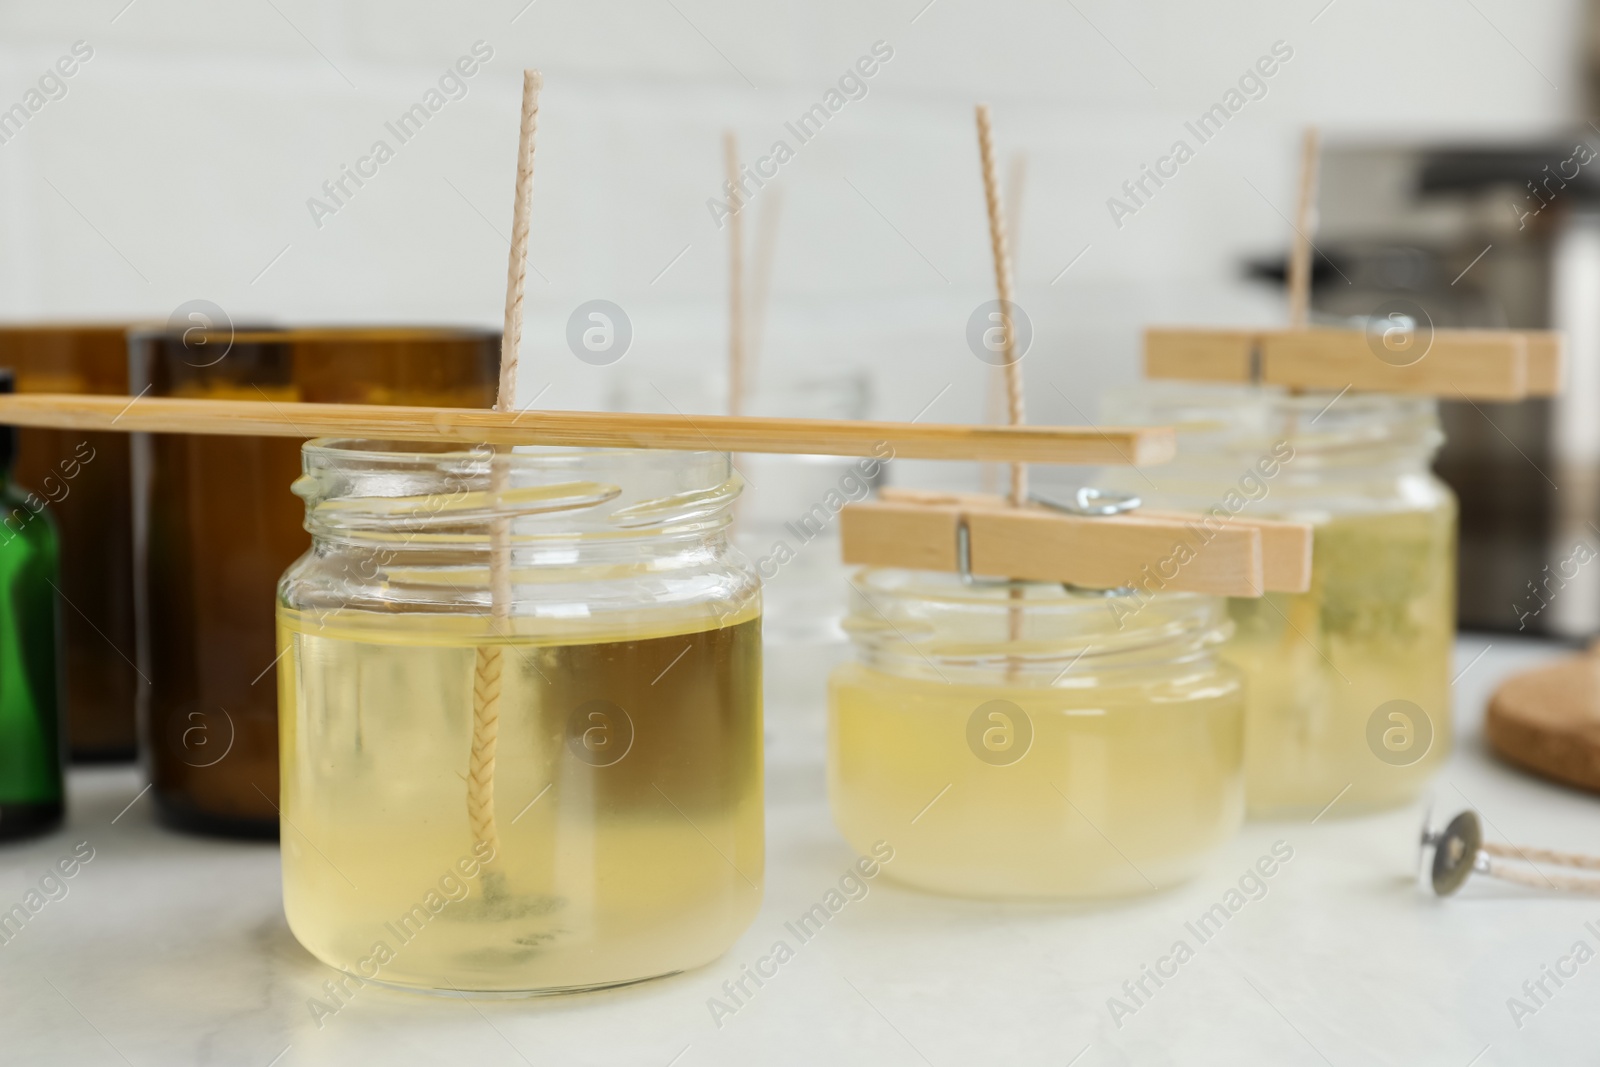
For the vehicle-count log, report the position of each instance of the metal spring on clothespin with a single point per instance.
(1087, 501)
(1451, 855)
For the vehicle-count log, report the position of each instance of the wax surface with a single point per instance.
(628, 790)
(1122, 788)
(1376, 627)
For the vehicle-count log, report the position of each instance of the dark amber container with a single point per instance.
(84, 477)
(216, 527)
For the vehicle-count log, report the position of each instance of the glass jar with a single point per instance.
(1026, 740)
(1349, 683)
(216, 526)
(563, 781)
(84, 476)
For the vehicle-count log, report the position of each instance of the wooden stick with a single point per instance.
(590, 429)
(489, 663)
(1305, 226)
(1476, 364)
(1002, 278)
(736, 386)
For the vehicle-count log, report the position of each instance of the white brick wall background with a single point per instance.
(179, 163)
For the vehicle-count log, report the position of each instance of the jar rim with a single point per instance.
(1221, 399)
(372, 488)
(1215, 420)
(912, 621)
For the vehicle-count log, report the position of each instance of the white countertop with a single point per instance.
(170, 950)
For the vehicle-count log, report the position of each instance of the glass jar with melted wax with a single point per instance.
(1026, 740)
(1348, 683)
(556, 787)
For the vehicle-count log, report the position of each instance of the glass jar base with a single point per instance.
(1088, 896)
(516, 994)
(29, 820)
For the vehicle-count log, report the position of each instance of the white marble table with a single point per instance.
(171, 950)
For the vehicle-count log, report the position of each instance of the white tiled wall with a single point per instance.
(180, 161)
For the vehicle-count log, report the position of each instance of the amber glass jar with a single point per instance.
(84, 477)
(217, 526)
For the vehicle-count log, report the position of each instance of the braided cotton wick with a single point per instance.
(489, 667)
(1013, 368)
(1537, 879)
(1002, 278)
(1305, 222)
(1543, 855)
(485, 735)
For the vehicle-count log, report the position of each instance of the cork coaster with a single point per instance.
(1548, 721)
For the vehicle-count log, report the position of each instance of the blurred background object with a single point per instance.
(216, 526)
(1486, 235)
(84, 476)
(32, 731)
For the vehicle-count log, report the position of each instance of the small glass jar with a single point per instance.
(1349, 683)
(1027, 740)
(599, 820)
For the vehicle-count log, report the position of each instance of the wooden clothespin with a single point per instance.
(1393, 354)
(1097, 540)
(1477, 364)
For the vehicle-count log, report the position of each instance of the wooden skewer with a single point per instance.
(589, 429)
(1305, 225)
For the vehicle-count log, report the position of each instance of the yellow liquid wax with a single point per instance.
(631, 845)
(1377, 625)
(1123, 788)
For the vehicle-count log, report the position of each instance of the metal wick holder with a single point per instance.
(1087, 502)
(1451, 855)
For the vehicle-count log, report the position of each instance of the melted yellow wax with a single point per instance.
(1123, 787)
(631, 843)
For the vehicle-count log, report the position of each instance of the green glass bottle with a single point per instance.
(31, 741)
